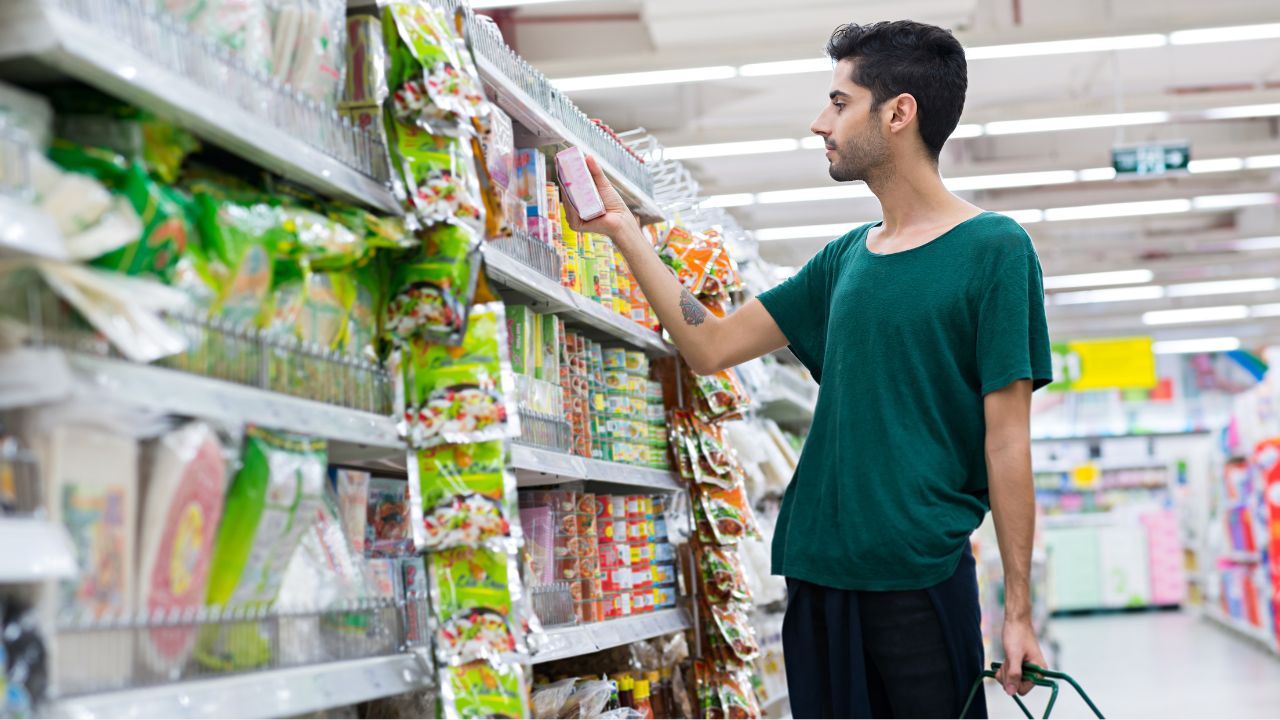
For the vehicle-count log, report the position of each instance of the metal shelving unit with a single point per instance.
(547, 296)
(274, 693)
(1255, 634)
(535, 466)
(585, 639)
(49, 374)
(36, 37)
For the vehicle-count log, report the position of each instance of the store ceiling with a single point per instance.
(1194, 238)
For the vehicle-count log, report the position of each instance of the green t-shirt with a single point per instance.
(893, 478)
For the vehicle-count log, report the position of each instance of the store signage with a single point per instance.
(1114, 364)
(1154, 159)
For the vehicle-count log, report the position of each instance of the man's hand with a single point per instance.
(1020, 645)
(617, 216)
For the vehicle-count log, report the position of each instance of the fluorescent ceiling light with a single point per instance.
(1114, 210)
(1129, 294)
(1024, 217)
(1116, 277)
(1226, 202)
(1223, 287)
(836, 192)
(1199, 345)
(804, 231)
(1216, 165)
(1096, 174)
(1074, 122)
(1242, 111)
(1268, 310)
(1195, 315)
(750, 147)
(1258, 162)
(1225, 34)
(728, 201)
(485, 4)
(1010, 180)
(637, 79)
(970, 130)
(1066, 47)
(786, 67)
(1258, 243)
(813, 142)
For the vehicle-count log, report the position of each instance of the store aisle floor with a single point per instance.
(1168, 665)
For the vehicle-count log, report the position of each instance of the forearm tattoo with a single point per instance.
(694, 312)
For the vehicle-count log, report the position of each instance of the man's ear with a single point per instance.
(903, 110)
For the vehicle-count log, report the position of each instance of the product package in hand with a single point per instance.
(579, 186)
(465, 394)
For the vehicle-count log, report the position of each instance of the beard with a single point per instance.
(860, 158)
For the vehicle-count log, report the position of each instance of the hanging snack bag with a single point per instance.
(434, 290)
(473, 591)
(438, 180)
(388, 526)
(459, 395)
(484, 690)
(728, 513)
(723, 576)
(432, 76)
(462, 496)
(734, 626)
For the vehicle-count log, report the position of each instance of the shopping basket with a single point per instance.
(1038, 676)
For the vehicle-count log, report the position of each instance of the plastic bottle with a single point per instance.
(625, 695)
(656, 697)
(613, 703)
(642, 704)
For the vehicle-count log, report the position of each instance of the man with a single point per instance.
(927, 334)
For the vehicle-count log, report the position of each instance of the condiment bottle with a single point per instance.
(656, 698)
(643, 705)
(625, 695)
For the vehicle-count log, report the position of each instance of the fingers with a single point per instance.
(1013, 675)
(570, 213)
(602, 182)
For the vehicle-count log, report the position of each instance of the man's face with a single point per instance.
(856, 147)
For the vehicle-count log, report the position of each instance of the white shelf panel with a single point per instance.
(274, 693)
(547, 296)
(787, 407)
(516, 103)
(60, 374)
(537, 467)
(29, 29)
(585, 639)
(1257, 634)
(34, 550)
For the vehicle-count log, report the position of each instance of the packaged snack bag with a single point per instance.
(473, 593)
(434, 287)
(388, 531)
(463, 496)
(459, 395)
(722, 575)
(481, 689)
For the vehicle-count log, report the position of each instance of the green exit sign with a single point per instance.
(1154, 159)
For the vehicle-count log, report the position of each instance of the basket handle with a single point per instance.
(1038, 676)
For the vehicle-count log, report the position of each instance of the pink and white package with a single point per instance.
(579, 186)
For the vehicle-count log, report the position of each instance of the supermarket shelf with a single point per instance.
(547, 296)
(275, 693)
(547, 130)
(1121, 467)
(535, 467)
(60, 375)
(787, 407)
(56, 39)
(1240, 556)
(46, 551)
(1103, 488)
(586, 639)
(1256, 634)
(1071, 438)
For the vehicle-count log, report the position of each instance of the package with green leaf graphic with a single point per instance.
(433, 79)
(463, 496)
(434, 286)
(484, 690)
(474, 592)
(438, 180)
(462, 394)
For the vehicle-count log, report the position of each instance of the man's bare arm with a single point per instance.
(1013, 507)
(708, 343)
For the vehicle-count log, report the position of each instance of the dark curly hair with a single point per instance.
(908, 57)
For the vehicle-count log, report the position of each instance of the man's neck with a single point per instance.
(915, 198)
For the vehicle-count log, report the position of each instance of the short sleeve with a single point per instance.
(799, 306)
(1013, 334)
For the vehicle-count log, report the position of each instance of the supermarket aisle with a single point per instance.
(1158, 665)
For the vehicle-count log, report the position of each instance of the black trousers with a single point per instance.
(900, 654)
